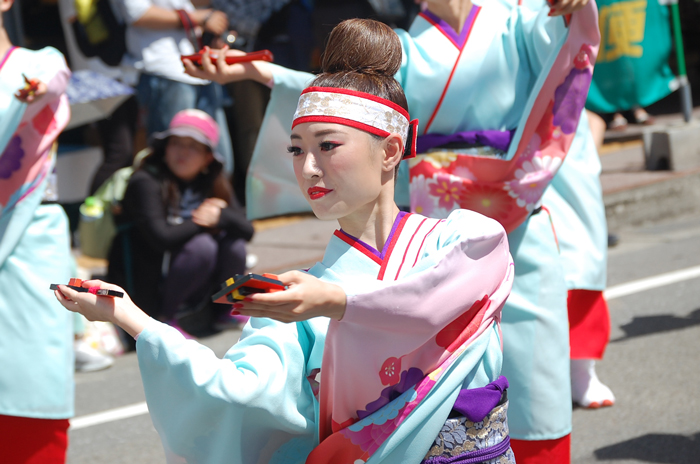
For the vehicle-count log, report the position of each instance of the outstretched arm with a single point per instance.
(120, 311)
(219, 71)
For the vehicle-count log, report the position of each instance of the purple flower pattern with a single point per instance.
(409, 378)
(11, 159)
(570, 98)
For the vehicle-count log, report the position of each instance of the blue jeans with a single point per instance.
(163, 98)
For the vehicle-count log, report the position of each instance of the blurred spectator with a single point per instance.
(158, 33)
(187, 230)
(118, 130)
(285, 28)
(632, 68)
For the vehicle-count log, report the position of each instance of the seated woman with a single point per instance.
(185, 228)
(388, 350)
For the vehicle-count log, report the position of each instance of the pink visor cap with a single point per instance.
(196, 124)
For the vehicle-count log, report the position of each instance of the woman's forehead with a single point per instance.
(321, 129)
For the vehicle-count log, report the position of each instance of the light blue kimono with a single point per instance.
(499, 65)
(36, 332)
(575, 199)
(258, 404)
(501, 55)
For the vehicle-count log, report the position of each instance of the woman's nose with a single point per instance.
(310, 168)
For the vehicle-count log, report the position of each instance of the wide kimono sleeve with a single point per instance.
(25, 160)
(271, 187)
(538, 35)
(415, 333)
(238, 409)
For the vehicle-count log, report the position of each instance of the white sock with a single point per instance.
(586, 389)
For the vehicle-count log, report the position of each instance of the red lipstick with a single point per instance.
(318, 192)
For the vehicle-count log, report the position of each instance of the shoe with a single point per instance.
(613, 240)
(586, 389)
(251, 261)
(619, 123)
(642, 117)
(175, 325)
(88, 359)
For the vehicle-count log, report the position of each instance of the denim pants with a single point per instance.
(163, 98)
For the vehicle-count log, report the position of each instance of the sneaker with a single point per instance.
(619, 123)
(251, 261)
(88, 359)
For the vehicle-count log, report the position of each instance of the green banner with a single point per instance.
(632, 66)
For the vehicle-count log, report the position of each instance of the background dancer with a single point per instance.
(36, 335)
(473, 75)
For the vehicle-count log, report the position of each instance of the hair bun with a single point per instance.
(363, 46)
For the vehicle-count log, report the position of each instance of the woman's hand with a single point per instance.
(564, 7)
(212, 21)
(31, 92)
(307, 297)
(120, 311)
(219, 71)
(209, 212)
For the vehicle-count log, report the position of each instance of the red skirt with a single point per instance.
(556, 451)
(24, 440)
(589, 324)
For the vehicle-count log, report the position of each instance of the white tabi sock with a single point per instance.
(586, 389)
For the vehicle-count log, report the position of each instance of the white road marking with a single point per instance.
(649, 283)
(109, 415)
(611, 293)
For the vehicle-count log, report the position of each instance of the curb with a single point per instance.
(677, 194)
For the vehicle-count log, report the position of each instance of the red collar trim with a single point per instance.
(392, 244)
(358, 246)
(7, 56)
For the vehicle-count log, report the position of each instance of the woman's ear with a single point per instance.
(5, 6)
(393, 152)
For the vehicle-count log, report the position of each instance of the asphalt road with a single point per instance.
(651, 364)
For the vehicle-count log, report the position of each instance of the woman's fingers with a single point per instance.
(191, 69)
(564, 7)
(207, 65)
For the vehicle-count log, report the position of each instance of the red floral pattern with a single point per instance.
(446, 190)
(44, 122)
(390, 372)
(490, 201)
(459, 330)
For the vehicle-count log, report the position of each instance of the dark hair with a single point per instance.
(213, 182)
(363, 55)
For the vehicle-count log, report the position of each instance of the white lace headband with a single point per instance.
(360, 110)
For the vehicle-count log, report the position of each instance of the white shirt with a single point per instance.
(158, 52)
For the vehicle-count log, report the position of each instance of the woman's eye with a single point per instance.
(294, 150)
(328, 146)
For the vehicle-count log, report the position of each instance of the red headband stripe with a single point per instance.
(355, 93)
(343, 121)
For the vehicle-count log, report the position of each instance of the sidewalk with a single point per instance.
(631, 194)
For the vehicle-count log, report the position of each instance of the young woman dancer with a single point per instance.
(499, 90)
(392, 347)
